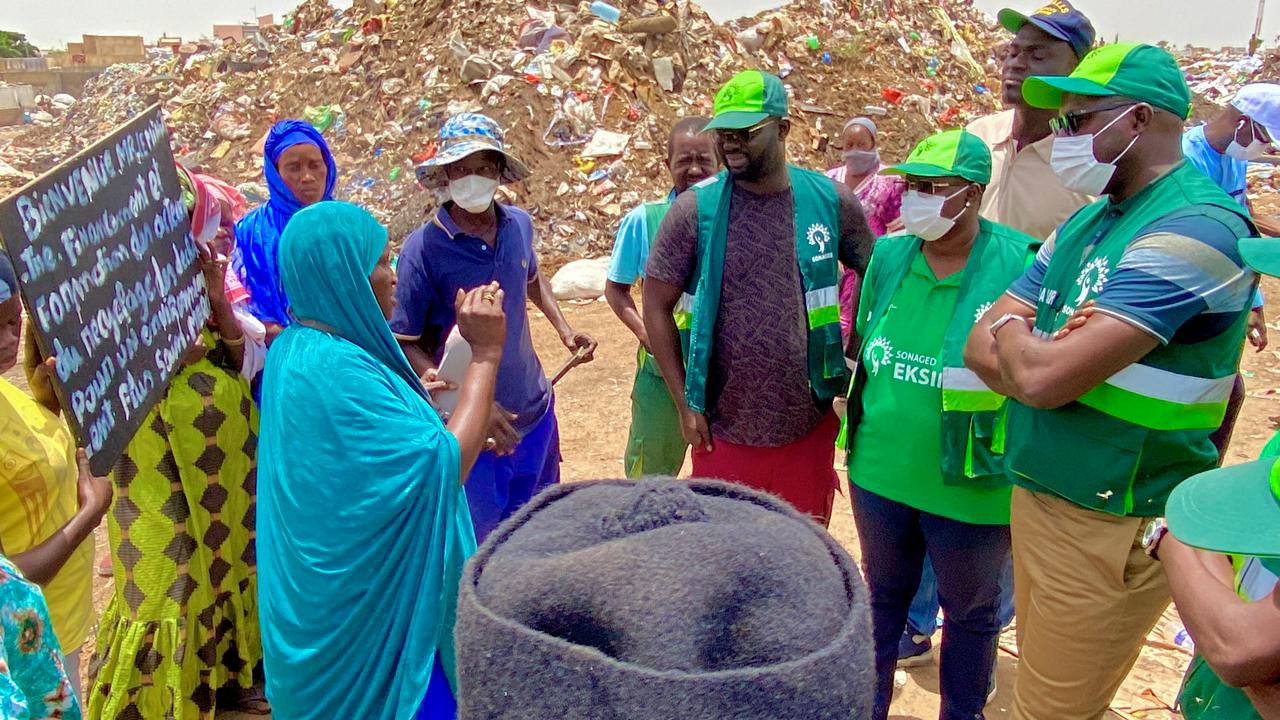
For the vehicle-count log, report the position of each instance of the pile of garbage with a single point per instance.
(586, 91)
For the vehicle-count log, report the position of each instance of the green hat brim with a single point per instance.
(1261, 254)
(736, 120)
(919, 169)
(1228, 510)
(1011, 19)
(1046, 91)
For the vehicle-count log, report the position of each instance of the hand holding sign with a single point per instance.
(108, 268)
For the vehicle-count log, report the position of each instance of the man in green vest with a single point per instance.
(760, 248)
(1106, 420)
(927, 475)
(655, 445)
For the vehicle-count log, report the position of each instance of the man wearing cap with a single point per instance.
(1105, 419)
(928, 478)
(655, 445)
(759, 245)
(1024, 193)
(471, 241)
(1221, 552)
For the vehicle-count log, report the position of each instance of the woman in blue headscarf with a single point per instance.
(357, 606)
(300, 171)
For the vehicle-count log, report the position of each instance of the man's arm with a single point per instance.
(545, 300)
(413, 303)
(624, 306)
(980, 350)
(1240, 640)
(856, 240)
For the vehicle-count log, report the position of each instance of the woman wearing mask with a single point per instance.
(880, 195)
(300, 171)
(923, 454)
(358, 605)
(473, 240)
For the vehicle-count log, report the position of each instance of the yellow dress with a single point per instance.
(38, 495)
(183, 621)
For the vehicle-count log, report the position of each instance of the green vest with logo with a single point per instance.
(654, 212)
(817, 228)
(972, 436)
(1123, 446)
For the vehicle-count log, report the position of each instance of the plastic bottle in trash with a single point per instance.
(813, 42)
(606, 12)
(933, 67)
(826, 58)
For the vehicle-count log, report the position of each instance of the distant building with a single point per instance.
(240, 31)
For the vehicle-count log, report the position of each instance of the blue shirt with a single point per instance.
(439, 259)
(1225, 171)
(631, 245)
(1180, 278)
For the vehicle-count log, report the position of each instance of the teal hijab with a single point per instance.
(363, 525)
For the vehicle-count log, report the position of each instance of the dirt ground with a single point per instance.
(593, 406)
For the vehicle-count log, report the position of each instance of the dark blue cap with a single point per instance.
(1059, 19)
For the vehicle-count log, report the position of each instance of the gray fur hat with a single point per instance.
(665, 599)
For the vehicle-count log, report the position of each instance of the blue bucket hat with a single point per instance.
(466, 134)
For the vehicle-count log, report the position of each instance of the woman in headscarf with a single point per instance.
(300, 171)
(49, 501)
(880, 195)
(179, 637)
(358, 605)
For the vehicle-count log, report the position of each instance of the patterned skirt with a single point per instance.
(182, 623)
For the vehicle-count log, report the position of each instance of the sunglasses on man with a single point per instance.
(743, 135)
(1070, 123)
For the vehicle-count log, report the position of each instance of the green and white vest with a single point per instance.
(972, 437)
(1124, 445)
(817, 228)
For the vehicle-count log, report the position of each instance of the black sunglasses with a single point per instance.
(930, 187)
(744, 135)
(1069, 123)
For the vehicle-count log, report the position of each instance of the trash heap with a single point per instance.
(585, 90)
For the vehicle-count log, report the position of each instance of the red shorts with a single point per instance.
(802, 473)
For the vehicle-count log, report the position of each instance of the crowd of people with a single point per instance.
(1022, 342)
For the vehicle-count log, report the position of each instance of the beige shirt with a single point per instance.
(1024, 193)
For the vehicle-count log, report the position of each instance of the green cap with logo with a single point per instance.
(1261, 254)
(1234, 510)
(953, 153)
(748, 99)
(1140, 72)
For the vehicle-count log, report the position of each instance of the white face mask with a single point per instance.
(1073, 161)
(860, 162)
(922, 214)
(473, 193)
(1252, 151)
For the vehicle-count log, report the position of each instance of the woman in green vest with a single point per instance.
(922, 431)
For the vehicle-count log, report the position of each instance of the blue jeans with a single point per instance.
(922, 619)
(967, 560)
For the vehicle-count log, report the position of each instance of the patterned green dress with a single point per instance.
(183, 621)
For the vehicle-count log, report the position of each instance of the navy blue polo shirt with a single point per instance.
(437, 260)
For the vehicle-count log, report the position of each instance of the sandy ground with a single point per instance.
(594, 411)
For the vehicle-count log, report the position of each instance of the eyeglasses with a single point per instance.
(929, 187)
(744, 135)
(1069, 123)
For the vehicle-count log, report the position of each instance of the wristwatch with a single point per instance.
(1152, 534)
(1005, 319)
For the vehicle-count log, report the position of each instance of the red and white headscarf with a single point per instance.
(215, 206)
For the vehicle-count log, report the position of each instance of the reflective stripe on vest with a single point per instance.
(684, 312)
(1162, 400)
(823, 306)
(964, 391)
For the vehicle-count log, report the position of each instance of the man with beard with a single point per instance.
(759, 246)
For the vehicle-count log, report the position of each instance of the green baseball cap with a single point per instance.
(954, 153)
(1233, 509)
(1261, 254)
(1141, 72)
(749, 98)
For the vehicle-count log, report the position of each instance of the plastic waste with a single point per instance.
(606, 12)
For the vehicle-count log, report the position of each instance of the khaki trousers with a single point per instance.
(1086, 596)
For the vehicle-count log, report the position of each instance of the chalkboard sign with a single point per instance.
(110, 276)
